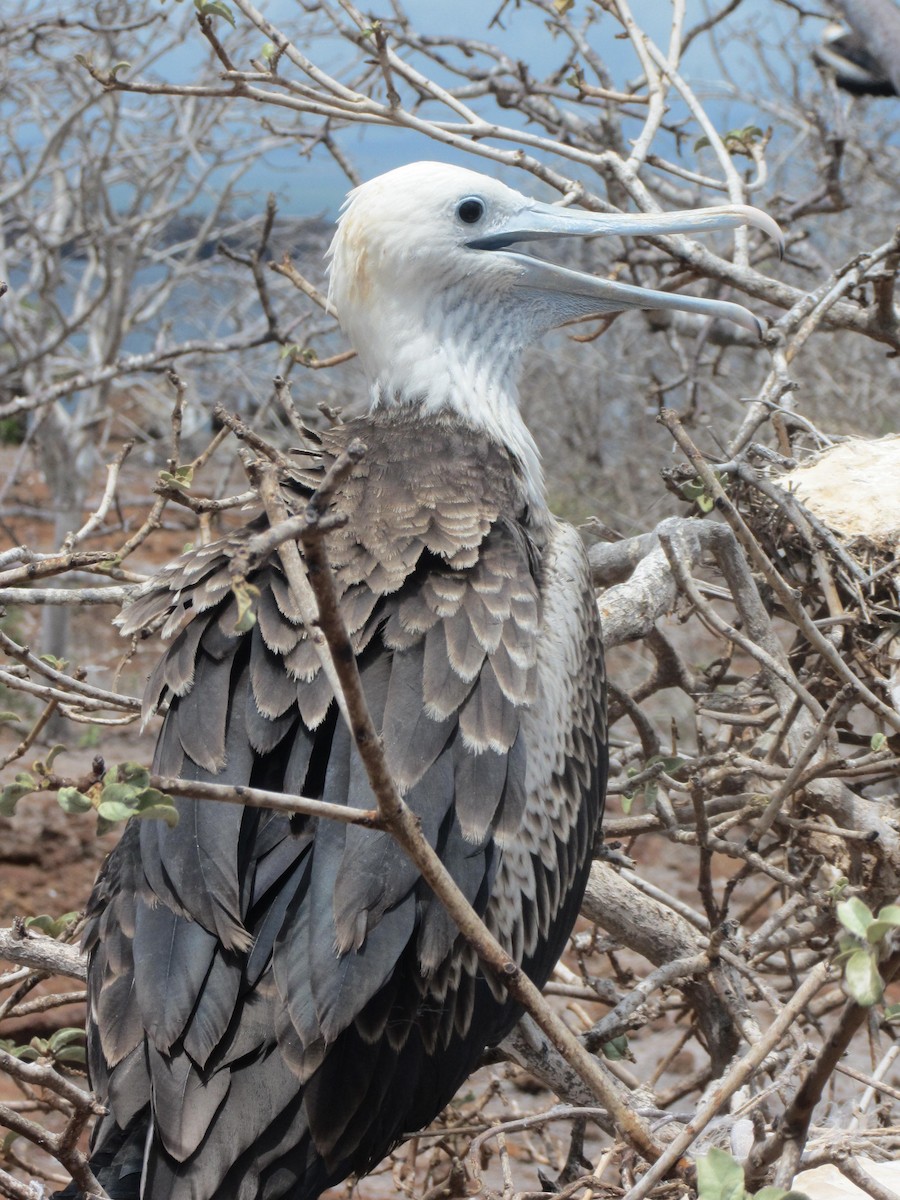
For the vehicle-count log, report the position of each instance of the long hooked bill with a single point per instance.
(536, 222)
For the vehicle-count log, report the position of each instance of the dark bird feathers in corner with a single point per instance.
(863, 47)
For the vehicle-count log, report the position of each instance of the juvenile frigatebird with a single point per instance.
(275, 1002)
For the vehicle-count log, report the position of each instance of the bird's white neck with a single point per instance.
(464, 370)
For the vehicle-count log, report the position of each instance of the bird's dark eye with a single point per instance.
(470, 210)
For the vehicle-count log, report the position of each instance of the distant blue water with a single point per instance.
(304, 187)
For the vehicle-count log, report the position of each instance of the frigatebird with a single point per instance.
(277, 1001)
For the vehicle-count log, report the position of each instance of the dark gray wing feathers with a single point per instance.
(289, 991)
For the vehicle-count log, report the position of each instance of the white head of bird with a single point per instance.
(439, 301)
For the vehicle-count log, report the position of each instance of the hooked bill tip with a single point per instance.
(766, 224)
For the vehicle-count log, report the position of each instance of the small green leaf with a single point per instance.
(854, 916)
(301, 354)
(864, 984)
(72, 801)
(705, 503)
(563, 6)
(134, 773)
(54, 752)
(616, 1049)
(42, 922)
(10, 718)
(878, 931)
(181, 477)
(160, 812)
(892, 1013)
(735, 141)
(627, 800)
(151, 796)
(65, 1037)
(719, 1177)
(72, 1054)
(215, 8)
(888, 919)
(878, 741)
(118, 793)
(115, 810)
(52, 926)
(27, 1053)
(13, 793)
(10, 797)
(692, 488)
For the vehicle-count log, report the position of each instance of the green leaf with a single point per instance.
(215, 8)
(878, 741)
(160, 812)
(115, 810)
(719, 1177)
(10, 718)
(563, 6)
(52, 926)
(890, 915)
(151, 796)
(627, 799)
(119, 793)
(133, 773)
(65, 1037)
(692, 488)
(735, 141)
(72, 1054)
(301, 354)
(864, 984)
(878, 931)
(892, 1013)
(55, 751)
(27, 1053)
(616, 1049)
(10, 797)
(705, 503)
(73, 801)
(888, 919)
(181, 477)
(854, 916)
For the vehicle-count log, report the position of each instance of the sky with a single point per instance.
(303, 191)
